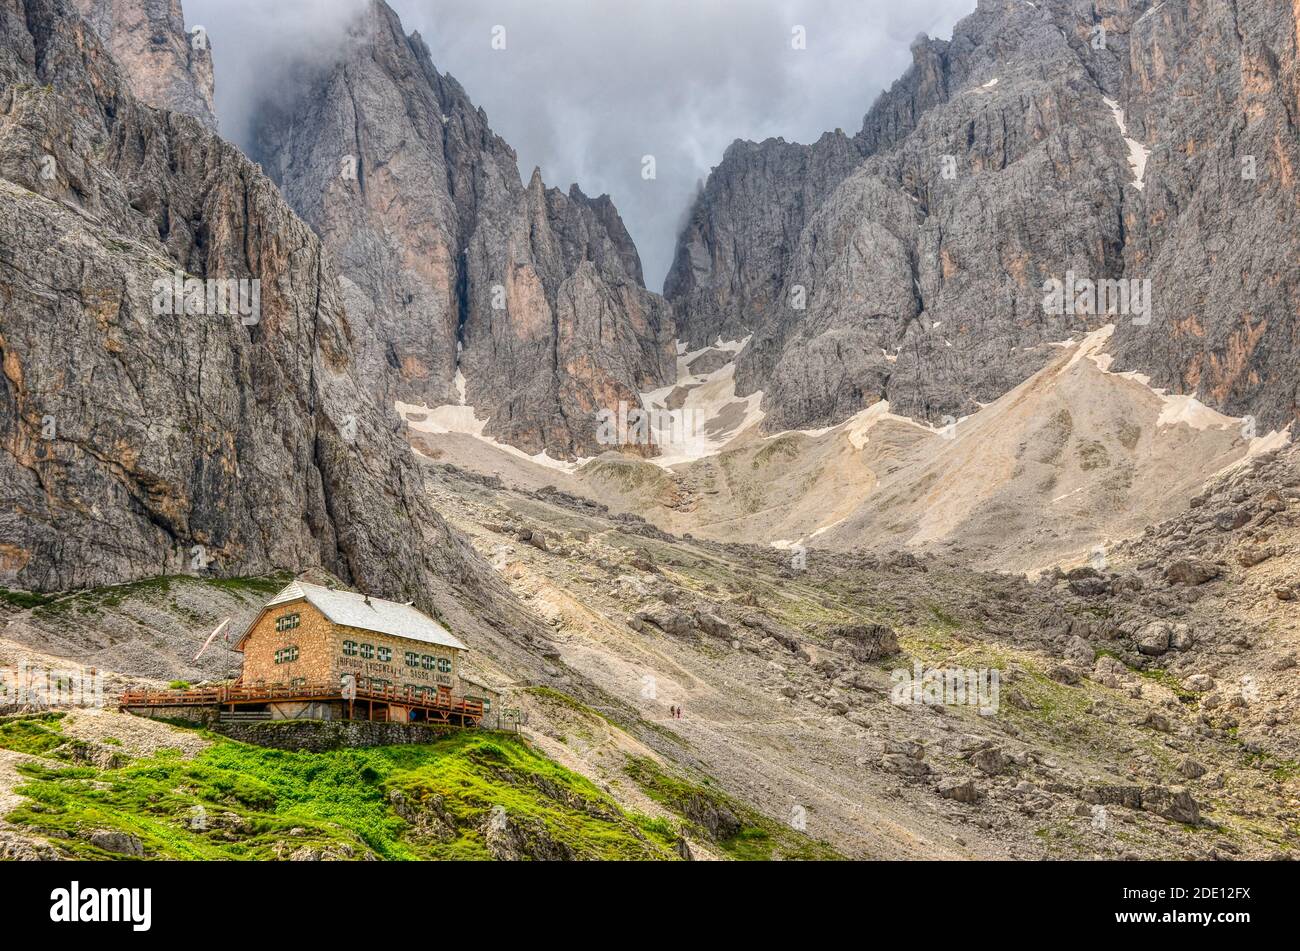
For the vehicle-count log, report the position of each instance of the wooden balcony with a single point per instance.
(436, 707)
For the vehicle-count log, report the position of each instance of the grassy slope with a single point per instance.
(260, 803)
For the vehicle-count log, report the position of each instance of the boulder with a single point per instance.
(1173, 803)
(1191, 572)
(1089, 587)
(990, 761)
(1255, 555)
(668, 620)
(1154, 638)
(712, 625)
(1065, 674)
(1109, 672)
(119, 843)
(964, 791)
(866, 642)
(1079, 652)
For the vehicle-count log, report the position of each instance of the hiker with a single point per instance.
(672, 713)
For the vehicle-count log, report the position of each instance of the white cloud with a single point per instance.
(585, 88)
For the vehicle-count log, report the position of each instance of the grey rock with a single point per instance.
(1154, 638)
(1201, 683)
(926, 288)
(1173, 803)
(1191, 572)
(1255, 555)
(991, 761)
(905, 765)
(119, 843)
(535, 295)
(166, 66)
(866, 642)
(964, 791)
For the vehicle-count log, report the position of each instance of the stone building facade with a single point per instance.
(313, 637)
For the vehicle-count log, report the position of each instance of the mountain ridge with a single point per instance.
(533, 296)
(1028, 117)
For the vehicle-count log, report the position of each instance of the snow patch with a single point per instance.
(1190, 410)
(442, 420)
(860, 424)
(710, 414)
(1137, 152)
(1177, 408)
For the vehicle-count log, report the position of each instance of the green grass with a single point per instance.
(25, 599)
(778, 450)
(342, 802)
(36, 735)
(758, 838)
(1166, 679)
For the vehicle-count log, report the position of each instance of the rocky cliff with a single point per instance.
(1105, 140)
(533, 295)
(166, 65)
(142, 436)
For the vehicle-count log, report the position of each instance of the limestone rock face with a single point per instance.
(135, 441)
(535, 295)
(1107, 140)
(166, 66)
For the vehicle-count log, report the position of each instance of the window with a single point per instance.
(302, 682)
(385, 654)
(286, 622)
(412, 659)
(349, 648)
(368, 651)
(487, 704)
(286, 655)
(444, 664)
(428, 662)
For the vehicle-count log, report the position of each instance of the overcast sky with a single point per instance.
(587, 88)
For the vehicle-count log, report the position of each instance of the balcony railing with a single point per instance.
(239, 694)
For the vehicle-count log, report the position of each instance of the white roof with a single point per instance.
(375, 614)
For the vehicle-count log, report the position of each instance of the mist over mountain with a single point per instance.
(678, 80)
